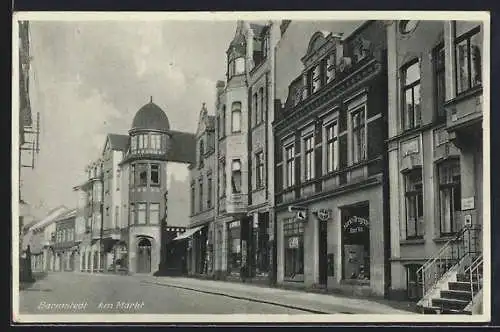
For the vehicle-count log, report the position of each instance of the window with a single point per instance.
(142, 175)
(413, 282)
(332, 147)
(449, 196)
(118, 174)
(200, 195)
(315, 79)
(209, 192)
(293, 233)
(107, 211)
(142, 143)
(309, 158)
(117, 217)
(223, 178)
(414, 204)
(236, 117)
(141, 213)
(468, 60)
(236, 176)
(259, 170)
(192, 198)
(223, 122)
(440, 82)
(265, 47)
(154, 213)
(98, 220)
(156, 143)
(239, 66)
(133, 144)
(155, 174)
(411, 96)
(290, 166)
(330, 68)
(132, 214)
(132, 176)
(358, 135)
(202, 152)
(256, 108)
(406, 27)
(260, 111)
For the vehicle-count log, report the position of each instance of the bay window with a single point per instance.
(132, 176)
(411, 96)
(468, 59)
(293, 233)
(309, 158)
(358, 126)
(156, 143)
(141, 213)
(290, 165)
(133, 144)
(449, 196)
(332, 149)
(142, 175)
(414, 204)
(236, 176)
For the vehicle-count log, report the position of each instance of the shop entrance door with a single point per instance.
(144, 256)
(322, 252)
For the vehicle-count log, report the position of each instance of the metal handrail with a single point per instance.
(478, 263)
(432, 270)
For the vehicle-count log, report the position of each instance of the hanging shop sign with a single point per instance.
(356, 225)
(293, 242)
(324, 214)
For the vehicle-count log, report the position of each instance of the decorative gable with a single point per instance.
(321, 43)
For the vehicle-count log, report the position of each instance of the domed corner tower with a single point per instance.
(146, 166)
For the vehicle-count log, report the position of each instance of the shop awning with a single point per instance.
(188, 233)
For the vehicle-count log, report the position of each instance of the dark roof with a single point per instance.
(118, 142)
(182, 148)
(150, 116)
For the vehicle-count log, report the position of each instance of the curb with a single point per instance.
(252, 299)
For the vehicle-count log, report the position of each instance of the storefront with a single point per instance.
(234, 250)
(356, 243)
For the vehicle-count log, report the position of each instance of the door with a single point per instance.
(144, 256)
(322, 253)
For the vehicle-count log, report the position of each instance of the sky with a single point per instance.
(90, 78)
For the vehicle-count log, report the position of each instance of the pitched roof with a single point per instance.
(118, 142)
(66, 215)
(50, 218)
(183, 147)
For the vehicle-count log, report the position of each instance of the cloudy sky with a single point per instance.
(89, 79)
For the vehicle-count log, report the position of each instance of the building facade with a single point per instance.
(435, 142)
(124, 202)
(329, 155)
(65, 249)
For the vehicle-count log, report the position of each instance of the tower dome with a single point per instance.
(150, 116)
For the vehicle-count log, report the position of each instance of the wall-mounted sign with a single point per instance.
(467, 203)
(468, 220)
(324, 214)
(356, 225)
(293, 242)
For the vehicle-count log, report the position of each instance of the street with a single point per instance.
(69, 293)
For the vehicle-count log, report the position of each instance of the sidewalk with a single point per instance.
(311, 302)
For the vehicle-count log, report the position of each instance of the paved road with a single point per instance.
(81, 293)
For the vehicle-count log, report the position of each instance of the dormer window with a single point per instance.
(330, 68)
(315, 79)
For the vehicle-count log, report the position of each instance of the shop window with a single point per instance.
(155, 174)
(234, 246)
(259, 170)
(236, 117)
(358, 125)
(449, 196)
(413, 282)
(440, 82)
(309, 158)
(411, 95)
(468, 60)
(290, 165)
(293, 233)
(356, 243)
(414, 204)
(141, 213)
(236, 176)
(154, 213)
(142, 175)
(332, 147)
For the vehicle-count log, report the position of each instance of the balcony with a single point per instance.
(111, 233)
(410, 161)
(464, 115)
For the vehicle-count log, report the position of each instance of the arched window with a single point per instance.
(236, 117)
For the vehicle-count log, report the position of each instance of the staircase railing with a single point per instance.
(466, 243)
(476, 275)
